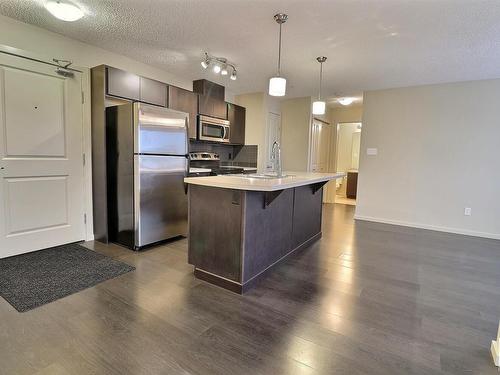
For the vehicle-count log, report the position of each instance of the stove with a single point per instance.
(211, 160)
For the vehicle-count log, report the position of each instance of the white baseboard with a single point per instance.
(494, 236)
(495, 352)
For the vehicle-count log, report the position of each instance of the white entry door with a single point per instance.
(41, 166)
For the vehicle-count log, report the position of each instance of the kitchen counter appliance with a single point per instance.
(213, 129)
(147, 161)
(211, 160)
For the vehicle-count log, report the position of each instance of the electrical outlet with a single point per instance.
(467, 211)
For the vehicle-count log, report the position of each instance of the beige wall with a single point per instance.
(295, 133)
(258, 105)
(351, 113)
(438, 152)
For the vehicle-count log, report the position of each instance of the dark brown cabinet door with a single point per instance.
(352, 184)
(208, 88)
(185, 101)
(236, 116)
(123, 84)
(153, 92)
(210, 106)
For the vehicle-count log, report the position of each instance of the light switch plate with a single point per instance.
(371, 151)
(467, 211)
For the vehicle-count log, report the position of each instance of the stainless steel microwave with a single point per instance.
(213, 129)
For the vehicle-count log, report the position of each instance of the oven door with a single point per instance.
(210, 131)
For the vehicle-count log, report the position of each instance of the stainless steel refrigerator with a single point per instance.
(147, 161)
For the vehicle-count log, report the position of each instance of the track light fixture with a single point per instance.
(219, 65)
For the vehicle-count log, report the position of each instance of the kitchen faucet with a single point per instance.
(276, 157)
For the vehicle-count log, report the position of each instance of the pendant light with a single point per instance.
(277, 84)
(319, 106)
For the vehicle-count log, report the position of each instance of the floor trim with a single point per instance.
(429, 227)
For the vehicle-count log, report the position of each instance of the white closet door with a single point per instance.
(41, 165)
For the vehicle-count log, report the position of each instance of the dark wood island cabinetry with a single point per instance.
(238, 234)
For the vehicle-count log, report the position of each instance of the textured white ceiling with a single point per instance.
(369, 44)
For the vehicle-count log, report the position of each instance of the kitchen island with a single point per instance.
(240, 226)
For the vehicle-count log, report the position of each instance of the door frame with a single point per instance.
(86, 128)
(336, 161)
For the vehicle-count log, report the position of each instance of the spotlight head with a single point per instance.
(206, 62)
(233, 75)
(224, 71)
(216, 68)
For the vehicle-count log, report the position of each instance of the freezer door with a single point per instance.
(161, 206)
(160, 131)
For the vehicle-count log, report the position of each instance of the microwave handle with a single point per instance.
(226, 132)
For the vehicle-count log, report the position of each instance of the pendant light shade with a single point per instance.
(319, 106)
(277, 84)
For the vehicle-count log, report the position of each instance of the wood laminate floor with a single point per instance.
(366, 299)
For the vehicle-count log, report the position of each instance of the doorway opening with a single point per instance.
(347, 161)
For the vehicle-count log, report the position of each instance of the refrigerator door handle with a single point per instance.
(186, 174)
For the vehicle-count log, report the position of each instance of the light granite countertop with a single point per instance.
(247, 182)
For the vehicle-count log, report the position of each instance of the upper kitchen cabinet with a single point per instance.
(208, 88)
(153, 92)
(236, 116)
(212, 107)
(123, 84)
(185, 101)
(131, 86)
(211, 101)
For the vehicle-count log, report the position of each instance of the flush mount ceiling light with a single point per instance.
(319, 106)
(219, 65)
(277, 84)
(64, 11)
(345, 101)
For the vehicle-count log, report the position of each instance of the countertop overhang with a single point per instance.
(242, 182)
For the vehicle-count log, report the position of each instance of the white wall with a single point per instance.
(438, 152)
